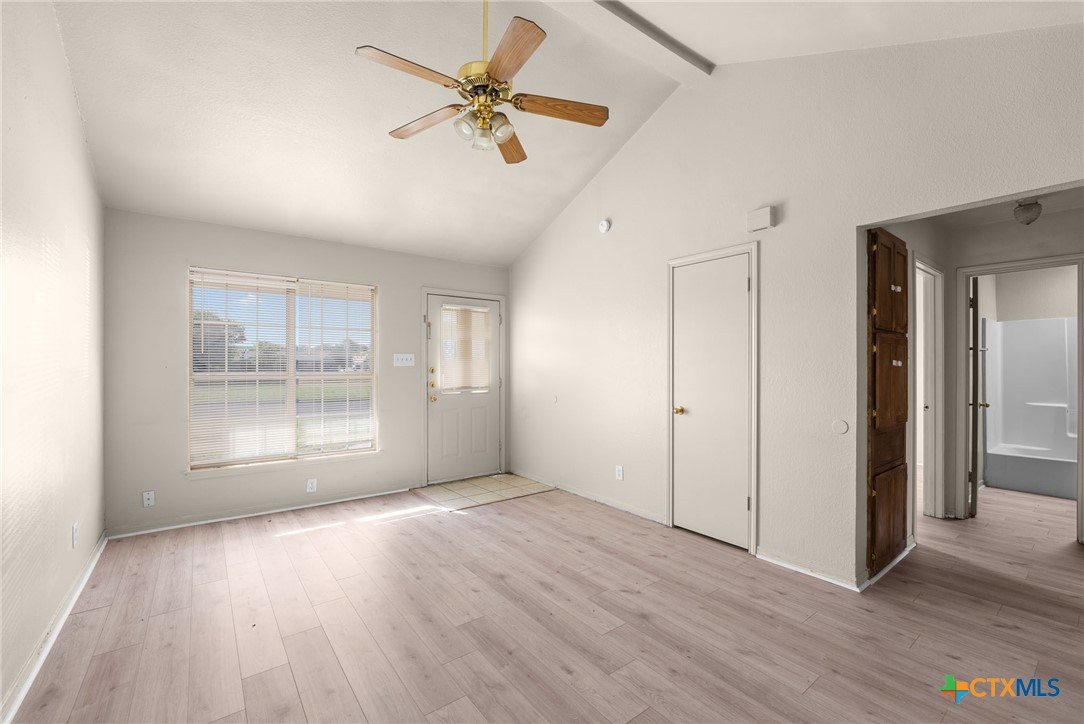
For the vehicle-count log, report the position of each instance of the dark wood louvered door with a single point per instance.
(887, 365)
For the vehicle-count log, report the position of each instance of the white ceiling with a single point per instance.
(740, 32)
(259, 115)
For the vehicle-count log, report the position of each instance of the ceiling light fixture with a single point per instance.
(465, 126)
(1027, 211)
(481, 126)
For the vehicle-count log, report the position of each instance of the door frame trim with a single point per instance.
(933, 486)
(963, 277)
(751, 248)
(502, 366)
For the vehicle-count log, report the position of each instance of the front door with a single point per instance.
(712, 397)
(463, 387)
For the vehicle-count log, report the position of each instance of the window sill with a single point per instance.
(267, 466)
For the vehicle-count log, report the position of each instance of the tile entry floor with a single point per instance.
(479, 491)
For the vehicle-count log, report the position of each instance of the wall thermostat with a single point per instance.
(603, 226)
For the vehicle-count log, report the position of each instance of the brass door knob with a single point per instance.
(679, 410)
(432, 398)
(984, 405)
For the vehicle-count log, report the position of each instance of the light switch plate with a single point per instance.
(402, 360)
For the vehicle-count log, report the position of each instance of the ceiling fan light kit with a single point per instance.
(486, 84)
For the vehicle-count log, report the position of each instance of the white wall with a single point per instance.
(52, 341)
(1037, 293)
(835, 142)
(146, 381)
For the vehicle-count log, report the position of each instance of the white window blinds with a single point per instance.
(280, 368)
(464, 353)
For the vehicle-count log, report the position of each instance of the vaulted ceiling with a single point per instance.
(259, 115)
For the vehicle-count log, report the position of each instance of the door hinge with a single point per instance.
(873, 246)
(970, 302)
(428, 330)
(873, 312)
(873, 413)
(748, 503)
(748, 284)
(874, 349)
(873, 556)
(500, 319)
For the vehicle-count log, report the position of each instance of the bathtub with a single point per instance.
(1033, 424)
(1030, 470)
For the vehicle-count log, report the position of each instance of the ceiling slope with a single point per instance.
(261, 116)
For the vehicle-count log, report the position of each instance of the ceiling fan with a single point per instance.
(485, 85)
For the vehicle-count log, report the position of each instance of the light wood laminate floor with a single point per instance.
(554, 608)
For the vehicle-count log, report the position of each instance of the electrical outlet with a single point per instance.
(148, 498)
(619, 472)
(75, 534)
(310, 487)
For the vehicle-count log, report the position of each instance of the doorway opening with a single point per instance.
(1023, 382)
(949, 252)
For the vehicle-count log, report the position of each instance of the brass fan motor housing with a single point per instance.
(473, 76)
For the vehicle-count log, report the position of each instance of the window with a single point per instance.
(464, 348)
(280, 368)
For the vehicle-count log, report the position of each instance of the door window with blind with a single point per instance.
(281, 368)
(464, 349)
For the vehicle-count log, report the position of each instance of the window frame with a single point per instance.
(290, 376)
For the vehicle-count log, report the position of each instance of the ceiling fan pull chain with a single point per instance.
(485, 30)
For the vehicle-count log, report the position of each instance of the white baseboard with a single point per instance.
(251, 514)
(54, 631)
(870, 581)
(808, 571)
(600, 499)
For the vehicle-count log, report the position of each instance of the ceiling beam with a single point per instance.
(618, 25)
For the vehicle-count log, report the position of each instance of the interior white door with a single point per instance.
(712, 397)
(463, 387)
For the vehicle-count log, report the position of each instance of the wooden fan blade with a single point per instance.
(520, 41)
(430, 119)
(394, 61)
(512, 150)
(565, 110)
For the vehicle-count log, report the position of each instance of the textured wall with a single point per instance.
(146, 381)
(835, 142)
(52, 339)
(1037, 294)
